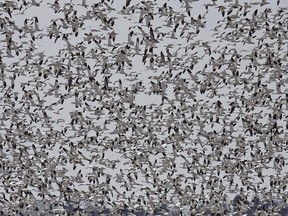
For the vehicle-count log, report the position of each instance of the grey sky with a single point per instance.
(197, 141)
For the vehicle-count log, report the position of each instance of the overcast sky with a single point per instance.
(184, 54)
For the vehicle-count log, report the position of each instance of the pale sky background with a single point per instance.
(55, 52)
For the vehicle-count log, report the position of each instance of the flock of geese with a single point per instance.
(174, 107)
